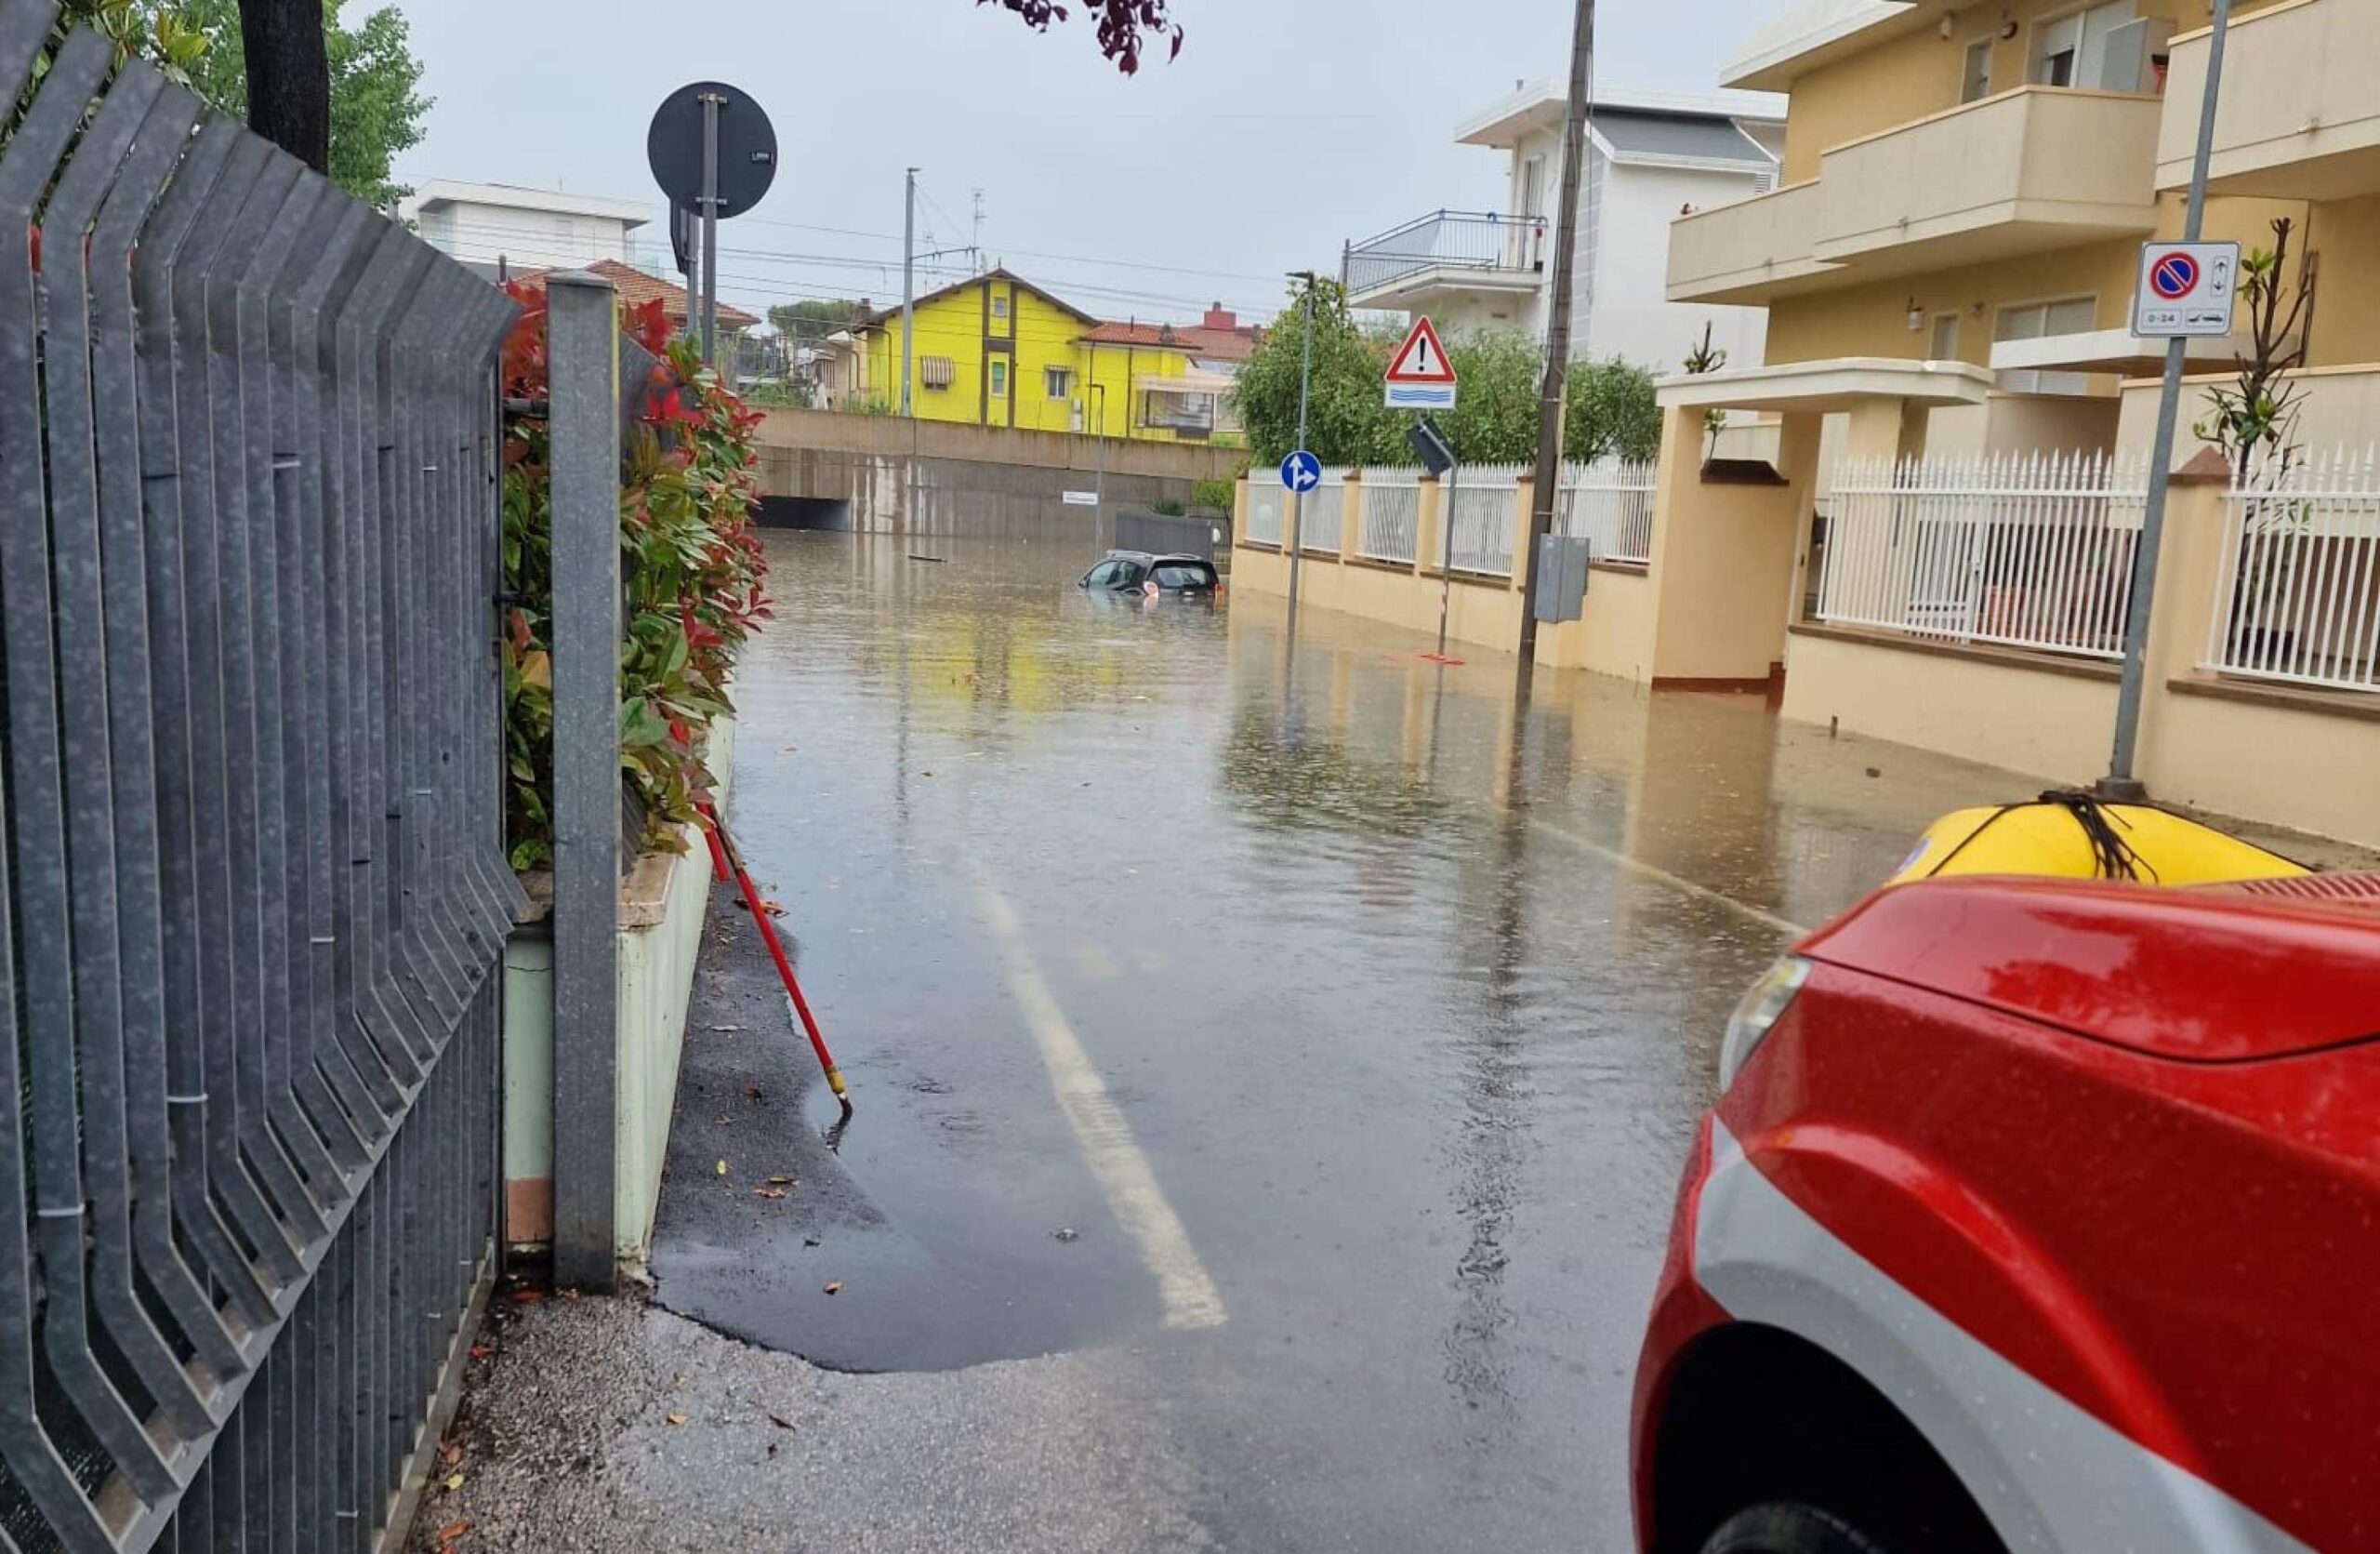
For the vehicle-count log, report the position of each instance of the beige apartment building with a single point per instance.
(1934, 542)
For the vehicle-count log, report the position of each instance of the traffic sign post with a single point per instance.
(1421, 375)
(714, 154)
(1300, 472)
(2186, 291)
(2161, 274)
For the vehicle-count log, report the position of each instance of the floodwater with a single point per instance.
(1292, 1020)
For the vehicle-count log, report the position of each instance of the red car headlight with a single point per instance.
(1760, 1009)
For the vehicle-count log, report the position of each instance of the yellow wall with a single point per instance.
(1872, 320)
(2346, 326)
(1918, 73)
(1034, 337)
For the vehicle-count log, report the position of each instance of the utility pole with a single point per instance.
(2120, 783)
(975, 247)
(1305, 396)
(712, 102)
(909, 290)
(1557, 325)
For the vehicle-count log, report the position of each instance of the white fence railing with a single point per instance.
(1320, 514)
(1392, 508)
(1267, 504)
(1609, 504)
(1479, 518)
(2031, 551)
(2298, 597)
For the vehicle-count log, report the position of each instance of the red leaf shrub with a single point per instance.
(690, 569)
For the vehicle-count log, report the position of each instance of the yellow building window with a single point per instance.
(999, 379)
(936, 372)
(1000, 305)
(1057, 382)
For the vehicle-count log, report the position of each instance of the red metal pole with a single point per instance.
(728, 860)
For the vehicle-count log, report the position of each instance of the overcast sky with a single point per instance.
(1286, 128)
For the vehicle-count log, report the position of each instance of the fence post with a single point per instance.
(1524, 529)
(1351, 517)
(583, 347)
(1429, 512)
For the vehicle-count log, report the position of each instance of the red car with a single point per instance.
(2033, 1215)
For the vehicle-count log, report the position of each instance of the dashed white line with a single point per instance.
(1102, 1135)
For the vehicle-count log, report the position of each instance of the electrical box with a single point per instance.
(1561, 577)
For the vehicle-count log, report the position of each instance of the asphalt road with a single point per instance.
(1273, 1065)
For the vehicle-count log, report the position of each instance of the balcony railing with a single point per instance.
(2299, 597)
(1485, 245)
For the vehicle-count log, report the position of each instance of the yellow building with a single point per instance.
(999, 351)
(1962, 417)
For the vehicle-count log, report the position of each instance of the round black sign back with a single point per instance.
(747, 148)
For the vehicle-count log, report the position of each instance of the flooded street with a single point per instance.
(1295, 1039)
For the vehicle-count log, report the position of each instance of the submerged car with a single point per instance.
(2034, 1216)
(1135, 571)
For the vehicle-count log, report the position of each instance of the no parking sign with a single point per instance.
(2185, 288)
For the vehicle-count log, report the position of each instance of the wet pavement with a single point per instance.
(1298, 1037)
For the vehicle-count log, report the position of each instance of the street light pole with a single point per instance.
(1557, 325)
(908, 288)
(1305, 396)
(2121, 783)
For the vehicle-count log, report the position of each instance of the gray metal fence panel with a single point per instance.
(1159, 535)
(252, 889)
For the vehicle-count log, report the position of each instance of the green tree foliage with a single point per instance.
(1495, 419)
(376, 106)
(1610, 413)
(808, 322)
(1346, 424)
(1609, 410)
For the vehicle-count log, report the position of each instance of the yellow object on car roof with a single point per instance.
(2073, 836)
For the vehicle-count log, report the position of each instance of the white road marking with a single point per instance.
(1101, 1134)
(1676, 882)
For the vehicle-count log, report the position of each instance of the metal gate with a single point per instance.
(254, 891)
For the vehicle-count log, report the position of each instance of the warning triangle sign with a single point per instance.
(1420, 359)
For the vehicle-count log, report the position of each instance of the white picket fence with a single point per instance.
(1323, 506)
(1609, 504)
(2031, 551)
(2298, 598)
(1392, 515)
(1268, 505)
(1480, 517)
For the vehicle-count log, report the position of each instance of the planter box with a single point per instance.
(663, 902)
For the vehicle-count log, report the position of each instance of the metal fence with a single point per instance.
(1480, 518)
(1320, 514)
(1448, 240)
(1392, 515)
(2032, 551)
(1609, 505)
(1268, 502)
(254, 889)
(2298, 598)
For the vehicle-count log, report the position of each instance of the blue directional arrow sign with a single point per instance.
(1300, 472)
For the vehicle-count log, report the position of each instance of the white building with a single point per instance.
(528, 228)
(1649, 157)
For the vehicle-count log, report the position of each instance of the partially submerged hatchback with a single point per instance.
(1140, 572)
(2034, 1216)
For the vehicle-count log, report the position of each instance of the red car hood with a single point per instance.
(2233, 975)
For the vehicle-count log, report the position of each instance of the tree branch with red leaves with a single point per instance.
(1125, 26)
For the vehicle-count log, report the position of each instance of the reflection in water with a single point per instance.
(1347, 937)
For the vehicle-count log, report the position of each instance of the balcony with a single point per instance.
(2031, 170)
(1446, 254)
(1749, 251)
(2300, 115)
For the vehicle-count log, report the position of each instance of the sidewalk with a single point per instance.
(612, 1426)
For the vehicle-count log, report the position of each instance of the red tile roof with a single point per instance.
(1221, 345)
(635, 288)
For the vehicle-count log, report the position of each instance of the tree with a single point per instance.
(1123, 24)
(1610, 412)
(375, 106)
(1494, 421)
(1347, 423)
(810, 320)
